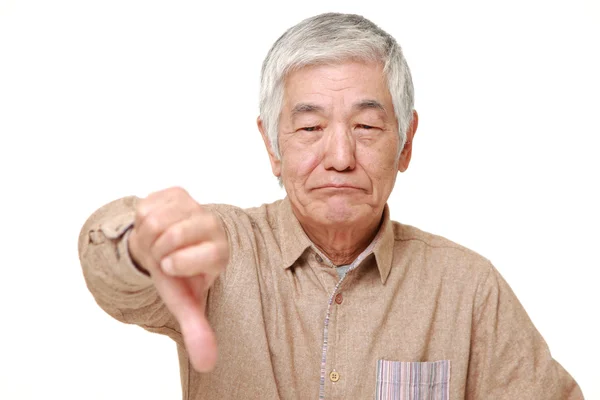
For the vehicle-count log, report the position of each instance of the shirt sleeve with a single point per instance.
(119, 288)
(509, 358)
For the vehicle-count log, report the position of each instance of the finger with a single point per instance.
(199, 227)
(154, 200)
(186, 299)
(199, 286)
(206, 258)
(200, 342)
(138, 256)
(199, 338)
(159, 200)
(158, 221)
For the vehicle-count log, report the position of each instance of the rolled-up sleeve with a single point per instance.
(509, 358)
(119, 288)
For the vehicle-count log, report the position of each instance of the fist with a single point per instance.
(173, 233)
(184, 248)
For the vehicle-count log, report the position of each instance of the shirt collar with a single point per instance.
(294, 240)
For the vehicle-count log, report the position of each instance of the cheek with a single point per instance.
(381, 164)
(298, 164)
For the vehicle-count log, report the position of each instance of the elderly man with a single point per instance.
(320, 295)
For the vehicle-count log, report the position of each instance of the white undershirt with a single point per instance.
(341, 270)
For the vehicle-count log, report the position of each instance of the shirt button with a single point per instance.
(334, 376)
(339, 298)
(318, 258)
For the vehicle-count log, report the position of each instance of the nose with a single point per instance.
(339, 152)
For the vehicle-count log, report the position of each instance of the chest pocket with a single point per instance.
(397, 380)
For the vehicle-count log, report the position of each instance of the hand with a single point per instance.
(184, 248)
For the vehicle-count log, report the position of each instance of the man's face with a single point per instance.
(338, 140)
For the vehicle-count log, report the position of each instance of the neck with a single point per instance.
(342, 244)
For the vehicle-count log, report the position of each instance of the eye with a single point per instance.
(309, 128)
(367, 127)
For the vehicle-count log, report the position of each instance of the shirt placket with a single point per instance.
(328, 371)
(337, 356)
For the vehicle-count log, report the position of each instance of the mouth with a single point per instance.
(338, 187)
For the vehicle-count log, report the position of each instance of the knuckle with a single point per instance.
(178, 192)
(152, 225)
(185, 201)
(142, 209)
(154, 196)
(174, 236)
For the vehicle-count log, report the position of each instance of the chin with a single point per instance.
(343, 210)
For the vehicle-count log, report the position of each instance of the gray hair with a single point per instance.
(333, 38)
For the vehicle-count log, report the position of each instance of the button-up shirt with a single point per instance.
(415, 316)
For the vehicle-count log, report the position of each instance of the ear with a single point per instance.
(407, 150)
(275, 162)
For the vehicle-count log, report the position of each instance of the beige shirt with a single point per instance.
(416, 316)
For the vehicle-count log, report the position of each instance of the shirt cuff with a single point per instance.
(118, 231)
(128, 271)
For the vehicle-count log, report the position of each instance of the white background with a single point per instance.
(103, 99)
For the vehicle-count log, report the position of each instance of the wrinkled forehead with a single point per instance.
(362, 85)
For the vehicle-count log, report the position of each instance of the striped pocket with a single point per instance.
(397, 380)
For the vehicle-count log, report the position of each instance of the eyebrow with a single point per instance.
(302, 108)
(369, 104)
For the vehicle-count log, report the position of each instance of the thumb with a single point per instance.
(186, 299)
